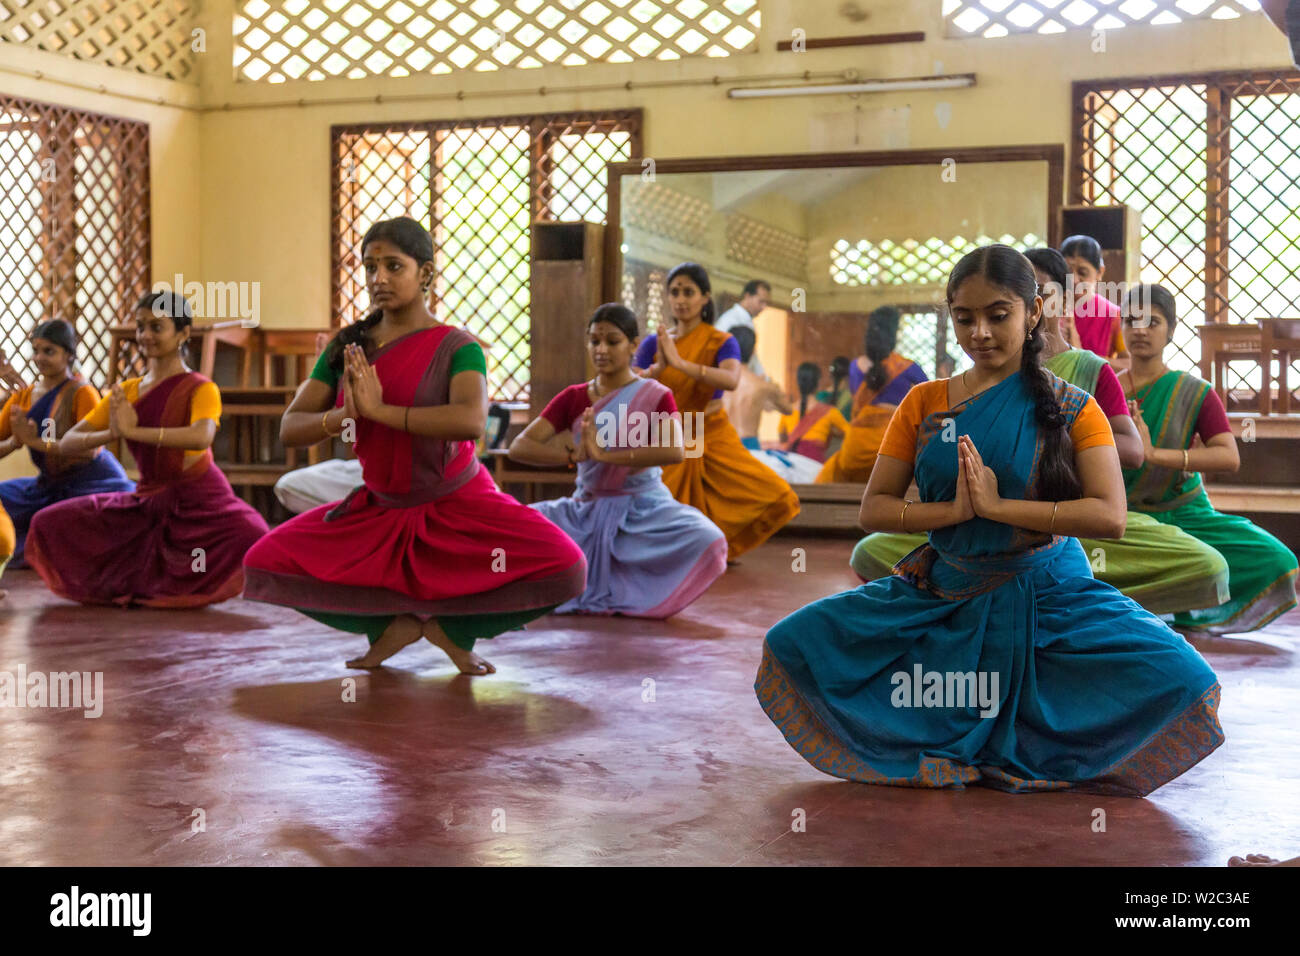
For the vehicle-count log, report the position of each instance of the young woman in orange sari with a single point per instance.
(885, 383)
(738, 493)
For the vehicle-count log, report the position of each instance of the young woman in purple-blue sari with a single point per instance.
(648, 555)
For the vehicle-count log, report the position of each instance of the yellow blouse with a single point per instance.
(83, 401)
(204, 403)
(820, 432)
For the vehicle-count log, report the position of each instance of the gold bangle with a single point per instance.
(160, 431)
(1185, 459)
(902, 515)
(324, 424)
(1051, 528)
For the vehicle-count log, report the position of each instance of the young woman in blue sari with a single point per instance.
(37, 416)
(992, 655)
(648, 555)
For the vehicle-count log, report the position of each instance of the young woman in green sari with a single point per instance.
(1161, 567)
(1170, 408)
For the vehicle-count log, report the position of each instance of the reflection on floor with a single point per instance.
(226, 739)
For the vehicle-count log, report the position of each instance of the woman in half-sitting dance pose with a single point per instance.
(179, 539)
(992, 655)
(428, 546)
(648, 555)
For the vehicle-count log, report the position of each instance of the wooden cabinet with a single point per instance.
(565, 281)
(1117, 228)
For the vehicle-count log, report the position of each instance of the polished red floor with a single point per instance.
(559, 758)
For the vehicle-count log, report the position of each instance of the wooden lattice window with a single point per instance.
(478, 185)
(279, 40)
(998, 18)
(149, 36)
(866, 262)
(74, 225)
(1210, 160)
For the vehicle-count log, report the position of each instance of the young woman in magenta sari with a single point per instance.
(739, 494)
(883, 384)
(1170, 408)
(428, 546)
(1161, 567)
(179, 539)
(37, 416)
(1095, 323)
(992, 655)
(648, 555)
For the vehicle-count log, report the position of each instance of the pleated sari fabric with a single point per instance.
(735, 491)
(991, 655)
(1261, 569)
(429, 533)
(178, 540)
(648, 555)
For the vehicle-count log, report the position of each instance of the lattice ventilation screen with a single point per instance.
(148, 36)
(908, 261)
(669, 213)
(998, 18)
(1264, 207)
(1145, 147)
(766, 248)
(924, 338)
(470, 183)
(74, 227)
(279, 40)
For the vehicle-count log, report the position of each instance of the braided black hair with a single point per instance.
(1007, 269)
(807, 377)
(882, 336)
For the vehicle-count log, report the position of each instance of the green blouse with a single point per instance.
(468, 358)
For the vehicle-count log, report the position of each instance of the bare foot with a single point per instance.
(404, 630)
(466, 661)
(1259, 859)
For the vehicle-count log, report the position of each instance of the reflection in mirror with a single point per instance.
(834, 244)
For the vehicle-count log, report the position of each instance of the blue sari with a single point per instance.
(1085, 689)
(58, 480)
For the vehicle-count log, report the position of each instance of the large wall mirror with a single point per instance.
(834, 235)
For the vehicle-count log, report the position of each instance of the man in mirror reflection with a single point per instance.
(753, 300)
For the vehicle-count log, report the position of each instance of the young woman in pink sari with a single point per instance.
(179, 539)
(428, 546)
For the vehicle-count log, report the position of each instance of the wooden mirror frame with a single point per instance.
(1051, 154)
(828, 506)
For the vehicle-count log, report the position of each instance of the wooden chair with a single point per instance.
(1280, 337)
(1222, 343)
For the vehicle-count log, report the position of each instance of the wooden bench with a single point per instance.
(505, 471)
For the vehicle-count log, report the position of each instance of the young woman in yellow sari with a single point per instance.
(1170, 408)
(738, 493)
(885, 382)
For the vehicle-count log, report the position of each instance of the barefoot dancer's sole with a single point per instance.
(467, 662)
(403, 631)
